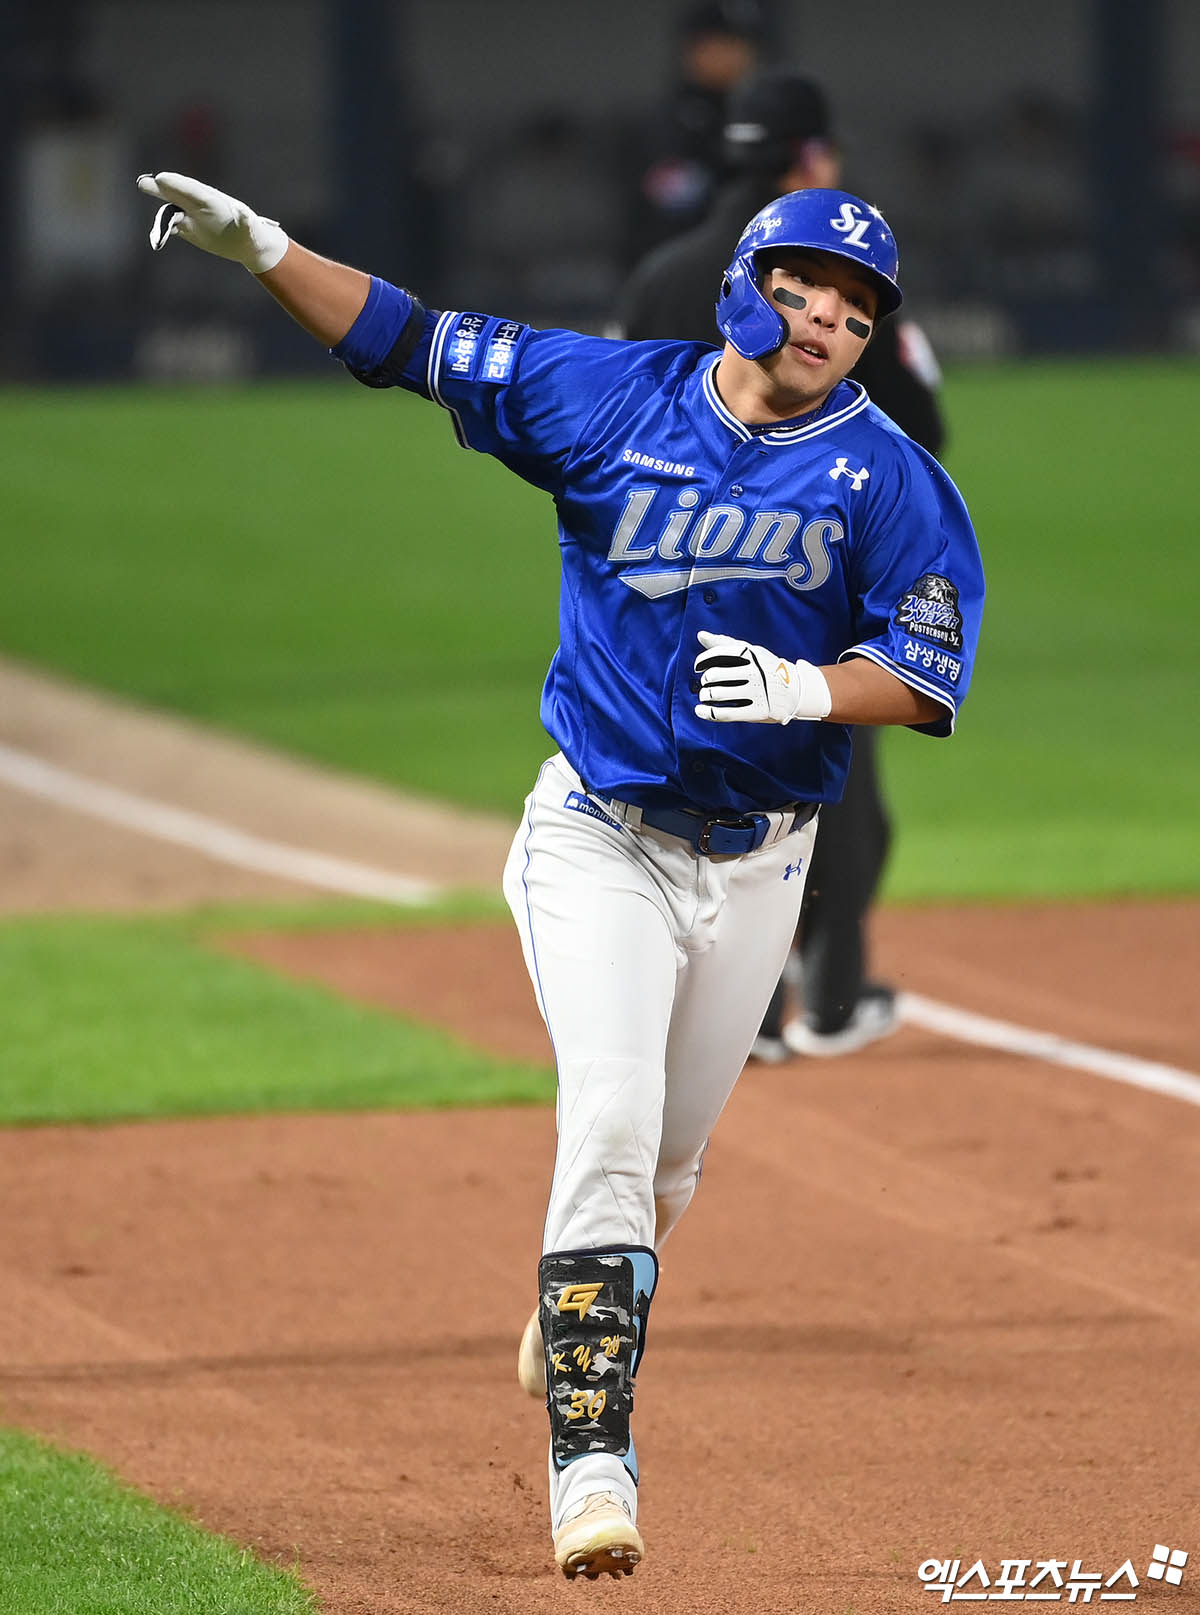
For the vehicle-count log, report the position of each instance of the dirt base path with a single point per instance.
(52, 856)
(932, 1301)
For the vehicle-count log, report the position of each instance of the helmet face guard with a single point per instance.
(823, 221)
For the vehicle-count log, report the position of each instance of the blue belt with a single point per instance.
(713, 836)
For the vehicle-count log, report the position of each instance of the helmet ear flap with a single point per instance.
(744, 317)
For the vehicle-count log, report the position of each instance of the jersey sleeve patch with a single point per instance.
(500, 351)
(472, 352)
(930, 610)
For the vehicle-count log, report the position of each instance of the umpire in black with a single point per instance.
(778, 138)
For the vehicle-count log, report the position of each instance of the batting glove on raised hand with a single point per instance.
(213, 222)
(741, 683)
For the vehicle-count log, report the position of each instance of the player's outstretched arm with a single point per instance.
(324, 297)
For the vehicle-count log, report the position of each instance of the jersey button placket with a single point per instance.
(735, 491)
(707, 596)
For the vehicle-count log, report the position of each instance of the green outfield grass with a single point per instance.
(76, 1541)
(1072, 771)
(318, 565)
(323, 567)
(112, 1019)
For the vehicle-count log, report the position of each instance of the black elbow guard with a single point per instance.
(390, 373)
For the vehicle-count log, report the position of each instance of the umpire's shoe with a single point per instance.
(531, 1359)
(875, 1015)
(598, 1539)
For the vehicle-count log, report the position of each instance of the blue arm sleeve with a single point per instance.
(381, 346)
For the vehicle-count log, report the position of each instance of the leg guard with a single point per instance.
(593, 1307)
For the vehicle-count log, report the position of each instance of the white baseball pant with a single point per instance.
(653, 966)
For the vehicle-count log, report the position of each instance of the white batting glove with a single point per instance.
(213, 222)
(741, 683)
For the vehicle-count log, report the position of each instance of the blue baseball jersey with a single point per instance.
(829, 537)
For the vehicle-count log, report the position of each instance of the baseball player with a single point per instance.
(779, 138)
(752, 559)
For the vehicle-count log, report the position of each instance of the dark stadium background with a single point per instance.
(1031, 156)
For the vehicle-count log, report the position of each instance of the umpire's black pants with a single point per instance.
(853, 836)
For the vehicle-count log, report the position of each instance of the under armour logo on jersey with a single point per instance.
(793, 869)
(857, 478)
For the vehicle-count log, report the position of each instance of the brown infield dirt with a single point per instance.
(932, 1301)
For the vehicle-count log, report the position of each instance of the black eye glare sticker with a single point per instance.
(858, 328)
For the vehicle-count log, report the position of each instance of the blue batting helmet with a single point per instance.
(827, 221)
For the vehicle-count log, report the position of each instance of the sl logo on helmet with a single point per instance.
(852, 225)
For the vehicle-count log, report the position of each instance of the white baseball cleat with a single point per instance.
(531, 1360)
(598, 1539)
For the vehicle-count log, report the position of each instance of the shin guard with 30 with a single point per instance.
(593, 1308)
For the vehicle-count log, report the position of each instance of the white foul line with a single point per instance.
(969, 1028)
(205, 835)
(227, 845)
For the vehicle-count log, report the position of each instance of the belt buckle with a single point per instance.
(704, 839)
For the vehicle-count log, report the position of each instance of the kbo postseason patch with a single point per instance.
(930, 609)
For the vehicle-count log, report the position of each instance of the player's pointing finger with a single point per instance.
(181, 190)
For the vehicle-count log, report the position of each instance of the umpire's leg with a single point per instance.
(851, 849)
